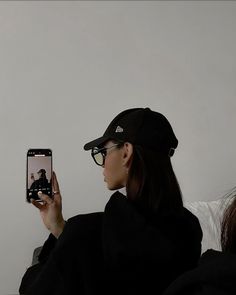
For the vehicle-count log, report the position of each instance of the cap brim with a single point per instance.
(95, 143)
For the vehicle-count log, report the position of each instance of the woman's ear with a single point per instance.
(127, 154)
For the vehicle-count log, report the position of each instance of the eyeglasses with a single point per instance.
(99, 155)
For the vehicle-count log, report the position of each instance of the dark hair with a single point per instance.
(228, 228)
(152, 183)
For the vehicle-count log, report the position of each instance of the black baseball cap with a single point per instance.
(42, 171)
(139, 126)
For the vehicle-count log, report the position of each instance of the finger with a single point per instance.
(55, 184)
(45, 198)
(57, 198)
(56, 189)
(36, 204)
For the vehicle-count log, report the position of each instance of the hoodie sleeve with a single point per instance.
(65, 263)
(215, 274)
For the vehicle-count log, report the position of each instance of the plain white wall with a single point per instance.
(67, 68)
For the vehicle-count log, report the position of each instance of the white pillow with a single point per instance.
(210, 215)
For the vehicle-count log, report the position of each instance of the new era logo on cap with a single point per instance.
(119, 129)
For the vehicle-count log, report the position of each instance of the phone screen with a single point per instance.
(39, 173)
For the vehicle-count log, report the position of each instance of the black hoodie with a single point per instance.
(120, 251)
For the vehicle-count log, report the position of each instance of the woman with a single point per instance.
(216, 272)
(143, 240)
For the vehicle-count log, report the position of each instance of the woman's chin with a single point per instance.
(113, 187)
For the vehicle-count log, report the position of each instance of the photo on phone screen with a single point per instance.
(39, 173)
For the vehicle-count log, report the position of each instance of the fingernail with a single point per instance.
(40, 194)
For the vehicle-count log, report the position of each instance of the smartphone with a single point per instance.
(38, 173)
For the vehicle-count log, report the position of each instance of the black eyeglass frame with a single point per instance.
(103, 152)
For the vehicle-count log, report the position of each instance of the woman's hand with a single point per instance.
(51, 209)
